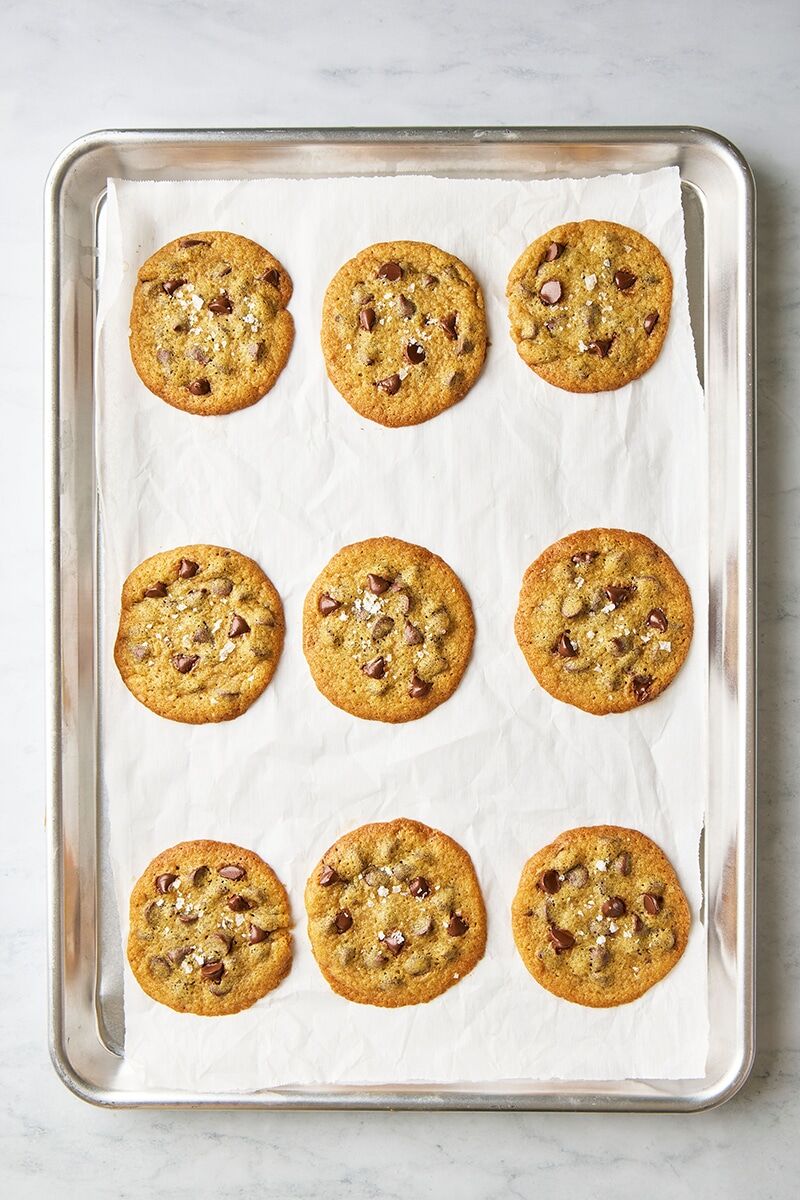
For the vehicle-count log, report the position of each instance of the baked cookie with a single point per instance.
(200, 633)
(387, 630)
(395, 914)
(209, 929)
(403, 332)
(604, 620)
(589, 305)
(599, 916)
(209, 328)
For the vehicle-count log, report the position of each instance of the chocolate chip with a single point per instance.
(164, 883)
(624, 280)
(187, 918)
(212, 971)
(550, 292)
(457, 926)
(238, 626)
(232, 871)
(411, 635)
(220, 304)
(199, 387)
(327, 605)
(381, 628)
(343, 921)
(622, 863)
(619, 646)
(328, 876)
(253, 349)
(418, 688)
(156, 591)
(163, 356)
(172, 285)
(187, 569)
(414, 353)
(641, 687)
(585, 556)
(614, 906)
(652, 903)
(600, 347)
(159, 967)
(238, 904)
(375, 668)
(566, 648)
(222, 587)
(618, 595)
(256, 935)
(394, 942)
(406, 307)
(185, 243)
(419, 887)
(561, 939)
(657, 619)
(377, 584)
(185, 662)
(199, 876)
(201, 634)
(577, 877)
(429, 281)
(549, 882)
(448, 325)
(366, 318)
(199, 356)
(271, 276)
(598, 957)
(554, 251)
(390, 385)
(390, 270)
(650, 322)
(638, 923)
(225, 940)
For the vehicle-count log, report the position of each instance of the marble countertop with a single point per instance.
(67, 69)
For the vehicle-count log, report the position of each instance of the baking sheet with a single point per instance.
(501, 767)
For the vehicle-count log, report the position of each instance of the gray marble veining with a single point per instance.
(97, 63)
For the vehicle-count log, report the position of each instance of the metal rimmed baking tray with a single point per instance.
(86, 1020)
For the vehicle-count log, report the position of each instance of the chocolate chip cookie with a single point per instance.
(604, 620)
(209, 929)
(200, 633)
(395, 914)
(209, 328)
(599, 916)
(589, 305)
(387, 630)
(403, 332)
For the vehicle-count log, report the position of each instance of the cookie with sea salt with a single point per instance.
(387, 630)
(209, 929)
(403, 332)
(589, 305)
(395, 914)
(604, 620)
(200, 633)
(599, 916)
(209, 328)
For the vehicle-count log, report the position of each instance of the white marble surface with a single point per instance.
(68, 68)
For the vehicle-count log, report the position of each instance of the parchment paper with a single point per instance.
(501, 767)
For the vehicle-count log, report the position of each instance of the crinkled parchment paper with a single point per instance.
(501, 767)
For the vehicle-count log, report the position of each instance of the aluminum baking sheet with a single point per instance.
(717, 193)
